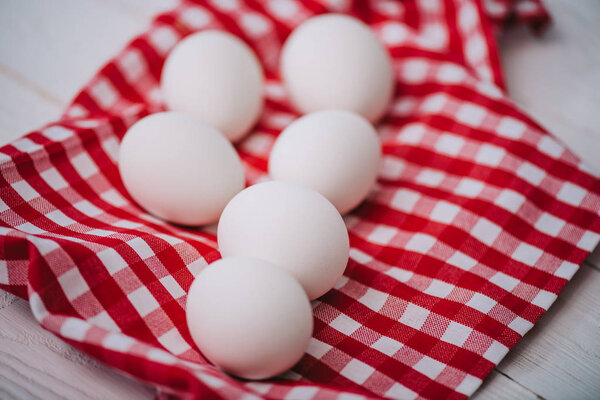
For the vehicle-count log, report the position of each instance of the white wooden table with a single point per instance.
(48, 49)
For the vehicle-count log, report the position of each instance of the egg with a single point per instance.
(334, 152)
(291, 226)
(249, 317)
(335, 61)
(179, 168)
(215, 77)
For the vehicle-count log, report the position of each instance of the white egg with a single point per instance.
(179, 168)
(334, 61)
(291, 226)
(333, 152)
(249, 317)
(215, 77)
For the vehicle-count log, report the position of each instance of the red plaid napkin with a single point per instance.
(478, 220)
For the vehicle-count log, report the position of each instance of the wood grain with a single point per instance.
(37, 365)
(556, 77)
(58, 45)
(49, 49)
(560, 357)
(143, 9)
(22, 107)
(501, 387)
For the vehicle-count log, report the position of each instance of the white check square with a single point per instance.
(414, 316)
(469, 187)
(195, 17)
(462, 261)
(84, 165)
(387, 345)
(490, 155)
(74, 328)
(103, 92)
(481, 303)
(486, 231)
(471, 114)
(589, 241)
(374, 299)
(25, 190)
(141, 248)
(456, 333)
(420, 243)
(174, 342)
(53, 178)
(520, 325)
(566, 270)
(399, 391)
(511, 128)
(317, 348)
(429, 367)
(111, 260)
(405, 200)
(449, 144)
(345, 324)
(439, 288)
(444, 212)
(429, 177)
(412, 133)
(550, 147)
(172, 286)
(382, 235)
(506, 282)
(143, 301)
(495, 352)
(510, 200)
(468, 385)
(527, 254)
(571, 194)
(59, 218)
(391, 168)
(544, 299)
(531, 173)
(87, 208)
(73, 284)
(549, 224)
(357, 371)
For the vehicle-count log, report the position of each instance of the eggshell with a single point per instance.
(334, 152)
(334, 61)
(249, 317)
(215, 77)
(291, 226)
(179, 168)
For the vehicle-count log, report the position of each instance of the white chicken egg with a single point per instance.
(288, 225)
(334, 152)
(249, 317)
(215, 77)
(334, 61)
(179, 168)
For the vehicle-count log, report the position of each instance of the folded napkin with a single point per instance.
(478, 220)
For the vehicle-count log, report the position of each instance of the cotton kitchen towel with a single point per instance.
(478, 220)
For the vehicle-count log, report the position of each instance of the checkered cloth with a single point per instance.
(478, 220)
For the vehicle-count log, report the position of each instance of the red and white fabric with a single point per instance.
(478, 220)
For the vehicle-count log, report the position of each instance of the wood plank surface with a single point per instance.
(49, 49)
(501, 387)
(556, 77)
(36, 365)
(23, 108)
(560, 357)
(58, 45)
